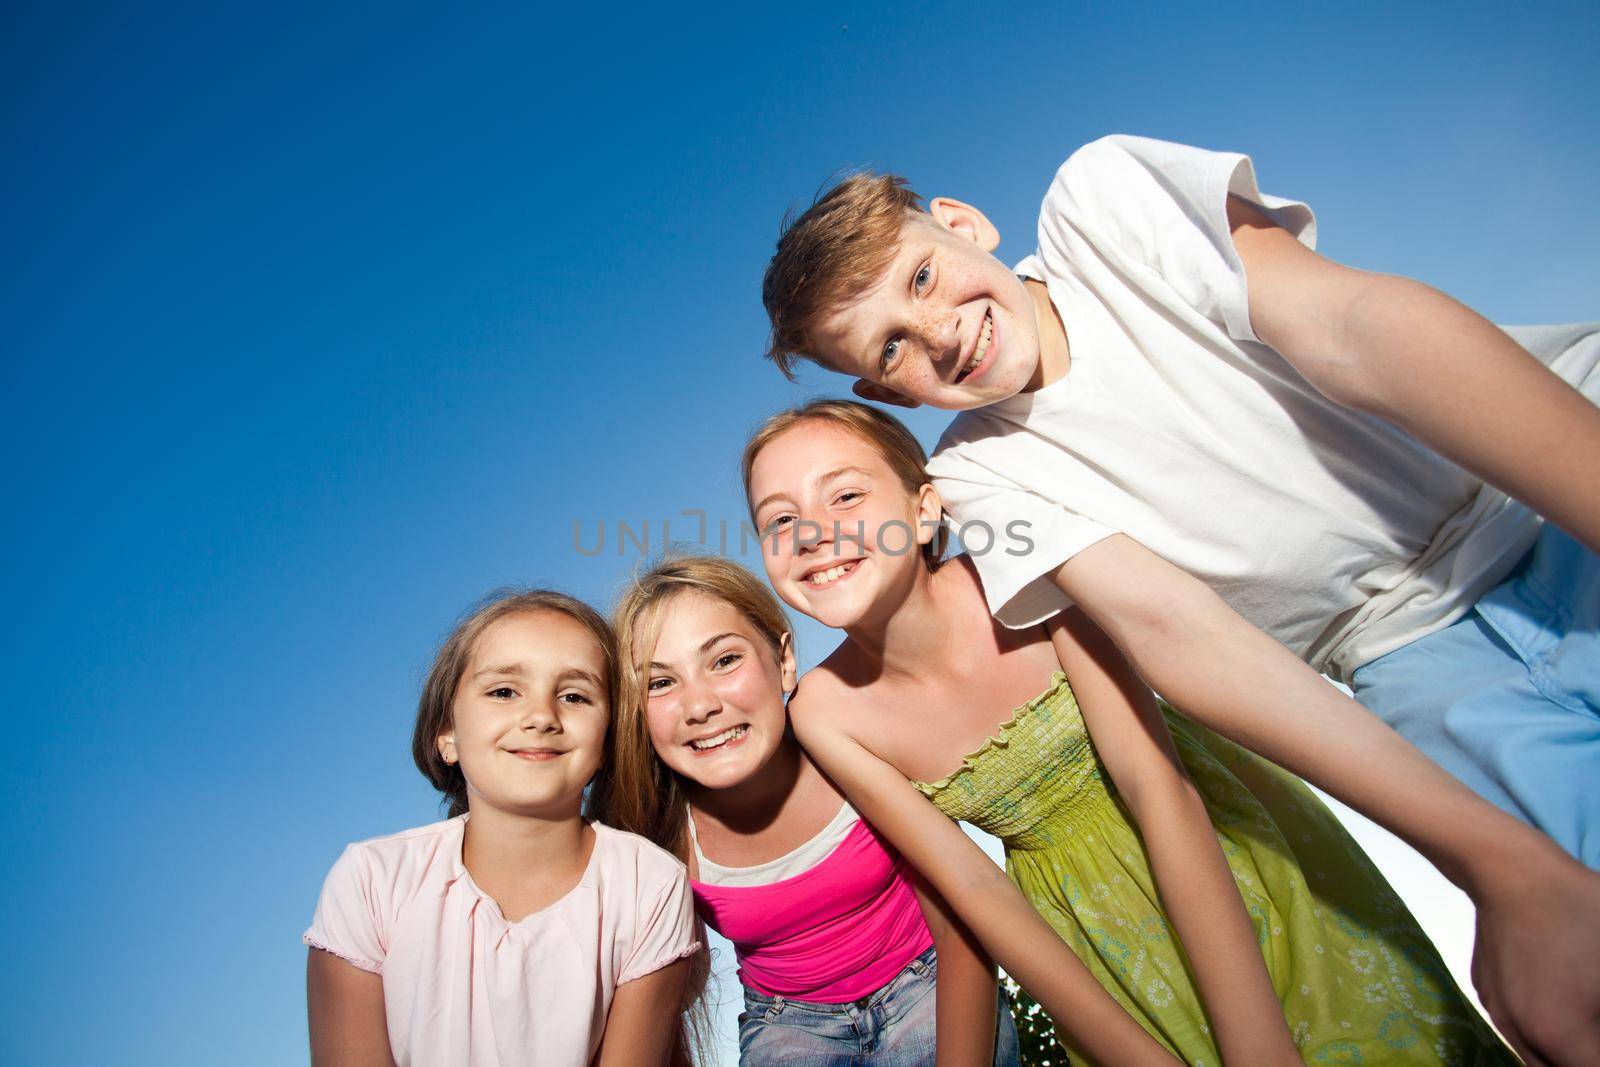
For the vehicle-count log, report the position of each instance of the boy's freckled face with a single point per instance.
(947, 325)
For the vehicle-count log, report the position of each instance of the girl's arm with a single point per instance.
(1197, 889)
(644, 1019)
(1538, 909)
(1395, 348)
(966, 993)
(1009, 930)
(344, 1009)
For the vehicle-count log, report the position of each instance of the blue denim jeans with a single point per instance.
(1508, 698)
(890, 1028)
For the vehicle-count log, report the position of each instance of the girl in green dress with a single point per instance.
(1183, 897)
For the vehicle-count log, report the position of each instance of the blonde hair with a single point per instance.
(887, 435)
(436, 706)
(830, 254)
(636, 791)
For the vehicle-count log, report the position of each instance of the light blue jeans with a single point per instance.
(1507, 698)
(893, 1027)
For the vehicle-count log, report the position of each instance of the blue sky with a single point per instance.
(319, 325)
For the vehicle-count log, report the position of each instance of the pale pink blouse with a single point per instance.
(461, 985)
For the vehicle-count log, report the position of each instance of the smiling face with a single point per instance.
(841, 533)
(714, 691)
(946, 325)
(530, 715)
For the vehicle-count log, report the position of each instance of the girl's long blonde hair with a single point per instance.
(636, 791)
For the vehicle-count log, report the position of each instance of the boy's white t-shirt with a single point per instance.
(1333, 531)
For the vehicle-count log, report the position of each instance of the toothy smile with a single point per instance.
(829, 575)
(980, 351)
(716, 741)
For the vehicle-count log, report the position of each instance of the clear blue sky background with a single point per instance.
(317, 326)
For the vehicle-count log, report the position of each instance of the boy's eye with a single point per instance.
(891, 352)
(924, 273)
(574, 697)
(848, 496)
(776, 522)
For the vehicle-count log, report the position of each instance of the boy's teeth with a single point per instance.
(824, 577)
(718, 740)
(980, 351)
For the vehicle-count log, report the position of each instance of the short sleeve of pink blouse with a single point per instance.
(349, 919)
(463, 985)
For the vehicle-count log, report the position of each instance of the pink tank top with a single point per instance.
(832, 934)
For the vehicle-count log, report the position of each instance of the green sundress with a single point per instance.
(1358, 979)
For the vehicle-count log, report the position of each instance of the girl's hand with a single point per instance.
(344, 1007)
(1197, 889)
(1003, 921)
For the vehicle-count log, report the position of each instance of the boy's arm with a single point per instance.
(1007, 927)
(1538, 909)
(1197, 889)
(1395, 348)
(965, 993)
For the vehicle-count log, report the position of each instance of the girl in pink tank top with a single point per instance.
(834, 942)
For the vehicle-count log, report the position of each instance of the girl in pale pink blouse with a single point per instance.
(516, 932)
(835, 944)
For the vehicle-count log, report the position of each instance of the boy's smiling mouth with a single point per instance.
(978, 361)
(825, 576)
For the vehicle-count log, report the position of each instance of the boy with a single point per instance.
(1217, 438)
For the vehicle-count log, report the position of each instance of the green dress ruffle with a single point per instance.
(1359, 980)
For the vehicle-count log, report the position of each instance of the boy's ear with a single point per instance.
(965, 220)
(882, 394)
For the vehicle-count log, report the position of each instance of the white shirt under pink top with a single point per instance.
(461, 985)
(833, 921)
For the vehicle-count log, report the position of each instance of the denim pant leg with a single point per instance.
(778, 1032)
(894, 1027)
(1508, 698)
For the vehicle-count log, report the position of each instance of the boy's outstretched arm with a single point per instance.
(1395, 348)
(1538, 909)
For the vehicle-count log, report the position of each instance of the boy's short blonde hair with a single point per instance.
(831, 253)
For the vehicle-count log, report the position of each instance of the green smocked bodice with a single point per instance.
(1358, 979)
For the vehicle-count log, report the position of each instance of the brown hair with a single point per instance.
(436, 707)
(832, 253)
(896, 444)
(637, 792)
